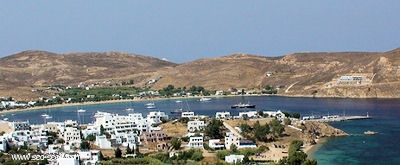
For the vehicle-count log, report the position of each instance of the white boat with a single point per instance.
(48, 117)
(44, 115)
(80, 110)
(150, 104)
(5, 119)
(205, 99)
(178, 101)
(129, 109)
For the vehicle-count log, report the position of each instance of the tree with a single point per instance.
(234, 148)
(128, 150)
(85, 145)
(310, 162)
(213, 129)
(118, 153)
(245, 117)
(276, 127)
(245, 128)
(176, 143)
(91, 137)
(102, 130)
(296, 115)
(260, 132)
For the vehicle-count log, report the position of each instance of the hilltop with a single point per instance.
(298, 74)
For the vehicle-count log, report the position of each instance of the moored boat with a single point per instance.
(177, 111)
(242, 105)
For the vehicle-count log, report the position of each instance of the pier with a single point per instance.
(334, 118)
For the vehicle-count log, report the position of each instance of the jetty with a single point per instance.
(334, 118)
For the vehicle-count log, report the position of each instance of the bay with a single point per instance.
(358, 148)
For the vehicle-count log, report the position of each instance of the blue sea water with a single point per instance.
(358, 148)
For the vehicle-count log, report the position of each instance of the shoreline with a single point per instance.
(107, 102)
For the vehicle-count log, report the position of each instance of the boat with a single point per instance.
(150, 104)
(45, 115)
(177, 111)
(242, 105)
(48, 117)
(178, 101)
(80, 110)
(129, 109)
(5, 119)
(205, 99)
(370, 133)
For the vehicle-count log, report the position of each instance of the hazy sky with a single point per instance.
(182, 31)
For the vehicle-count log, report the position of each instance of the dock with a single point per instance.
(340, 118)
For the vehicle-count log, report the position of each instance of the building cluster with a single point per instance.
(110, 130)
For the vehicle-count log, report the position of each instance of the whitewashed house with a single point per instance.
(231, 139)
(103, 142)
(196, 125)
(196, 142)
(234, 159)
(223, 115)
(216, 144)
(71, 135)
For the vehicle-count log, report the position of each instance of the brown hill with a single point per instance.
(305, 74)
(22, 72)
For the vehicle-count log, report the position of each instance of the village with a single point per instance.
(134, 135)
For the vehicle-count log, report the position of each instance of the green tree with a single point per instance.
(118, 153)
(245, 128)
(296, 115)
(102, 130)
(261, 132)
(213, 129)
(310, 162)
(129, 150)
(234, 148)
(176, 143)
(85, 145)
(91, 137)
(287, 121)
(276, 127)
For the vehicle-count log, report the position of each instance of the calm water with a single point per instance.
(382, 148)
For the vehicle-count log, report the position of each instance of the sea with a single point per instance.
(382, 148)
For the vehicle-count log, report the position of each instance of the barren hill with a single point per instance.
(22, 72)
(343, 74)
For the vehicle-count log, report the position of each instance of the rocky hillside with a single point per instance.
(22, 72)
(344, 74)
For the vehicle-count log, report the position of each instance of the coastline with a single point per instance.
(106, 102)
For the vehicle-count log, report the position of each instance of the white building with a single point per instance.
(156, 117)
(188, 114)
(216, 144)
(126, 139)
(234, 159)
(196, 142)
(231, 138)
(278, 114)
(89, 157)
(3, 144)
(20, 125)
(71, 135)
(103, 142)
(223, 115)
(196, 125)
(68, 161)
(249, 114)
(219, 92)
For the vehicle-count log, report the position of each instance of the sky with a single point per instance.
(183, 31)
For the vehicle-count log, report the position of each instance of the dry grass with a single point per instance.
(174, 129)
